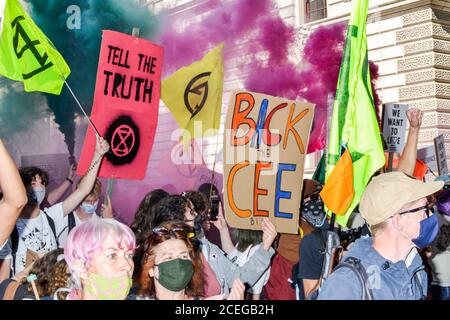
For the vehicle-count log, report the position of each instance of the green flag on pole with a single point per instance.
(26, 54)
(354, 126)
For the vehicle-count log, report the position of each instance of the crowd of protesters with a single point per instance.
(74, 249)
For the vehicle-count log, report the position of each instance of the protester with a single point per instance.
(85, 212)
(247, 243)
(47, 280)
(58, 286)
(99, 254)
(218, 271)
(210, 230)
(395, 207)
(36, 231)
(14, 195)
(171, 269)
(407, 161)
(440, 256)
(142, 224)
(201, 206)
(13, 200)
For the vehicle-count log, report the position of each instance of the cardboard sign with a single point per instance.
(428, 155)
(126, 104)
(394, 126)
(441, 155)
(265, 143)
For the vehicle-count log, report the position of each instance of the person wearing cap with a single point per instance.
(395, 207)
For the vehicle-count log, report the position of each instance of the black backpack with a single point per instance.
(70, 225)
(15, 239)
(356, 266)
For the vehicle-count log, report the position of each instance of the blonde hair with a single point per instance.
(96, 189)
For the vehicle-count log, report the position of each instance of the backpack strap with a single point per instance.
(71, 221)
(11, 289)
(356, 266)
(51, 223)
(14, 248)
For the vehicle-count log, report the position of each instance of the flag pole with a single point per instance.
(82, 109)
(330, 107)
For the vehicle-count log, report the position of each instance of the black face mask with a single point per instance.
(198, 220)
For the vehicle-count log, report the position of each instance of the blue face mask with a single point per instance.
(37, 195)
(429, 228)
(89, 208)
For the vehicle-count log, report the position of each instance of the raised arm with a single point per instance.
(14, 194)
(222, 226)
(407, 161)
(259, 262)
(88, 181)
(56, 194)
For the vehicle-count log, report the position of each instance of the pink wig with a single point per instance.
(84, 240)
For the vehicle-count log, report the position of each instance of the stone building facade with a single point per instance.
(408, 39)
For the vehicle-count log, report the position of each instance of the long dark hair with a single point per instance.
(143, 223)
(169, 209)
(246, 238)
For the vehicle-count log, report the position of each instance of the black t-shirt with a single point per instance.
(20, 294)
(312, 251)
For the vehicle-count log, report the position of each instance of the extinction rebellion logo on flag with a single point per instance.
(26, 54)
(29, 45)
(197, 90)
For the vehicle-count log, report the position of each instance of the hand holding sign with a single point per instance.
(269, 233)
(107, 211)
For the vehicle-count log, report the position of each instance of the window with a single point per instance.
(315, 10)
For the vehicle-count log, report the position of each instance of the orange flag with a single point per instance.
(338, 192)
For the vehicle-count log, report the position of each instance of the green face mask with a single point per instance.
(108, 288)
(175, 275)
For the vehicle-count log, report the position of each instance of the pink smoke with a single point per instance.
(229, 22)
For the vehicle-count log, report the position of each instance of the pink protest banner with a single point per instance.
(126, 103)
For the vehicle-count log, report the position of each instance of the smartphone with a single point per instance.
(214, 203)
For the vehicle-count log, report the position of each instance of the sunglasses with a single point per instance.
(176, 232)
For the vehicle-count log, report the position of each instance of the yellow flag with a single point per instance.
(194, 95)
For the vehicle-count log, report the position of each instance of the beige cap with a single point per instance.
(387, 193)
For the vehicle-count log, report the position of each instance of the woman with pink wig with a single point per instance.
(99, 254)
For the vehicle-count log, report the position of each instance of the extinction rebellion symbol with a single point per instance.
(196, 93)
(123, 137)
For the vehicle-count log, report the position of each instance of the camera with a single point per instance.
(214, 203)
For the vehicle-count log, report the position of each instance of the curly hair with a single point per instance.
(198, 199)
(143, 224)
(28, 175)
(147, 284)
(43, 268)
(59, 278)
(170, 209)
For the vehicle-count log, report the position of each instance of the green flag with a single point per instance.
(26, 54)
(354, 125)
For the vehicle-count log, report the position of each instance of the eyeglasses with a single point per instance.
(427, 208)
